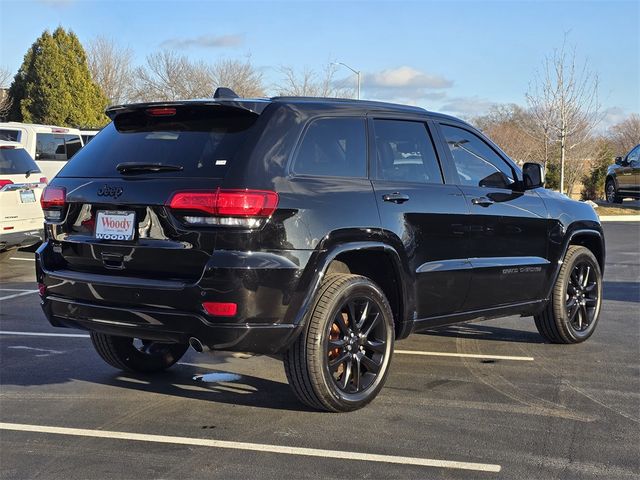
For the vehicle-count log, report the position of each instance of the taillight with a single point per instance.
(241, 208)
(4, 183)
(53, 200)
(43, 180)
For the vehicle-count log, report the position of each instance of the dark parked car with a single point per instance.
(321, 230)
(623, 178)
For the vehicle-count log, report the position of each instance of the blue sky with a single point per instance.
(458, 57)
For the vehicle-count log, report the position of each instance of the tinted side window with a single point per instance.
(477, 163)
(335, 147)
(10, 135)
(405, 152)
(50, 146)
(634, 156)
(73, 144)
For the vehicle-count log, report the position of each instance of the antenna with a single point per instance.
(224, 92)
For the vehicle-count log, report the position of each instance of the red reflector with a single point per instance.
(5, 182)
(7, 147)
(43, 180)
(161, 111)
(53, 197)
(220, 309)
(42, 289)
(228, 203)
(8, 228)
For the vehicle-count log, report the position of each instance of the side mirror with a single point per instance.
(618, 160)
(533, 175)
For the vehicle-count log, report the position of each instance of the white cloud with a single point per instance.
(406, 77)
(204, 41)
(405, 85)
(467, 106)
(611, 116)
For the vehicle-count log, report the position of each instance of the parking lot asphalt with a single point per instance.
(479, 400)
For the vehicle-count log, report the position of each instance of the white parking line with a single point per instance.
(23, 259)
(27, 292)
(464, 355)
(256, 447)
(38, 334)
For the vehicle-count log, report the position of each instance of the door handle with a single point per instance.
(395, 197)
(482, 201)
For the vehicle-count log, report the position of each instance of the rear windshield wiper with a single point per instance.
(147, 167)
(28, 173)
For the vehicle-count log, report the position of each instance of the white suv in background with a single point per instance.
(48, 145)
(21, 185)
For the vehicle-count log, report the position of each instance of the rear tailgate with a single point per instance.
(115, 220)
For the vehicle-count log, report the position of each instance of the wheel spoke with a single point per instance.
(590, 288)
(573, 311)
(339, 320)
(370, 364)
(346, 375)
(338, 343)
(334, 364)
(570, 304)
(372, 324)
(585, 280)
(591, 301)
(356, 372)
(352, 316)
(375, 346)
(584, 315)
(363, 317)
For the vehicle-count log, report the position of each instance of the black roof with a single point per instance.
(257, 105)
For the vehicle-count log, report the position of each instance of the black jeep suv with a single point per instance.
(623, 178)
(321, 230)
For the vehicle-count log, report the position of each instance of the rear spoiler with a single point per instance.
(253, 105)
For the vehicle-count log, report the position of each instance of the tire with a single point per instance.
(321, 367)
(148, 357)
(573, 310)
(611, 192)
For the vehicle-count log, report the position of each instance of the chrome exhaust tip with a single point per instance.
(197, 345)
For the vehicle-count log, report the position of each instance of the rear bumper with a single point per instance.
(171, 310)
(170, 326)
(20, 239)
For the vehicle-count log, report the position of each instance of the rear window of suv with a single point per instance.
(202, 140)
(15, 161)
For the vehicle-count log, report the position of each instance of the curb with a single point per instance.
(620, 218)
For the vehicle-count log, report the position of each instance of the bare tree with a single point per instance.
(509, 126)
(111, 68)
(167, 75)
(240, 76)
(626, 134)
(5, 100)
(564, 100)
(310, 83)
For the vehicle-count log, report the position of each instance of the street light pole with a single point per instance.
(357, 72)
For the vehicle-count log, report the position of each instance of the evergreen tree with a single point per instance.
(54, 86)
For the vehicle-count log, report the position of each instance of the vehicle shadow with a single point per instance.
(622, 291)
(480, 331)
(23, 367)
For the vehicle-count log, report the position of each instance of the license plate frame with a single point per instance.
(27, 196)
(110, 226)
